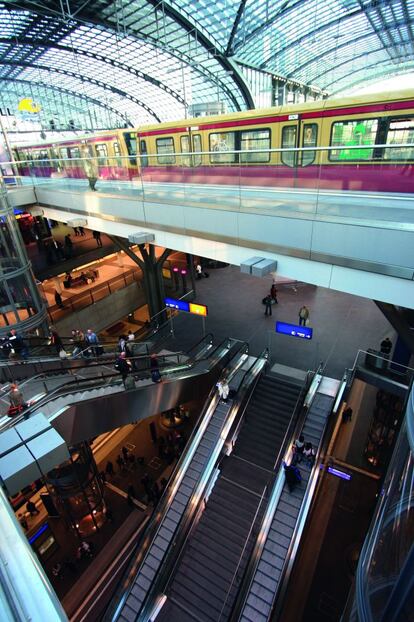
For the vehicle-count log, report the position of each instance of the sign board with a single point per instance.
(188, 307)
(302, 332)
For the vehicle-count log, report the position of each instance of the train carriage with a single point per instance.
(234, 149)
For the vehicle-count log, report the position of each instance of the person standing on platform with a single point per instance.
(268, 305)
(386, 346)
(81, 231)
(273, 293)
(97, 237)
(303, 316)
(58, 300)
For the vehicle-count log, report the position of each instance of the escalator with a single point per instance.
(186, 489)
(85, 408)
(212, 562)
(282, 526)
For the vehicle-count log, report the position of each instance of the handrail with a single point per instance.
(44, 162)
(63, 389)
(295, 424)
(304, 510)
(172, 558)
(160, 511)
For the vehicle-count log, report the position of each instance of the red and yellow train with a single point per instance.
(364, 135)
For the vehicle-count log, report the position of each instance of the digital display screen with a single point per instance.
(302, 332)
(181, 305)
(198, 309)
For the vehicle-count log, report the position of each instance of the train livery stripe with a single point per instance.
(314, 114)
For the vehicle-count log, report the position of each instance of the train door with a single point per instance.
(290, 139)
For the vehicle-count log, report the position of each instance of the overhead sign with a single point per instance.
(181, 305)
(198, 309)
(188, 307)
(303, 332)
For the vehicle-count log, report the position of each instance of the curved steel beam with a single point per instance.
(196, 33)
(311, 33)
(391, 71)
(363, 54)
(325, 53)
(36, 44)
(82, 78)
(91, 20)
(81, 96)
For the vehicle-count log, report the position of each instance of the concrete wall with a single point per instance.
(105, 312)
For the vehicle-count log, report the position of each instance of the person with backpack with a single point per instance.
(123, 366)
(292, 475)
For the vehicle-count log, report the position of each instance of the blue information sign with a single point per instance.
(303, 332)
(181, 305)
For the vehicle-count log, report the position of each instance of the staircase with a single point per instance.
(212, 565)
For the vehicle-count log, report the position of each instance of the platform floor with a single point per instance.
(342, 323)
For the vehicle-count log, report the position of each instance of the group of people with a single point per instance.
(303, 450)
(271, 299)
(13, 346)
(124, 366)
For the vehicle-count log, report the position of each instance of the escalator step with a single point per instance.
(252, 615)
(286, 519)
(278, 529)
(136, 597)
(148, 571)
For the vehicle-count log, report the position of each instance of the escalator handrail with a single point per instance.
(66, 388)
(174, 552)
(94, 363)
(164, 503)
(295, 424)
(304, 508)
(207, 338)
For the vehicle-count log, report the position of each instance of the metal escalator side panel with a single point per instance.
(186, 523)
(160, 534)
(283, 526)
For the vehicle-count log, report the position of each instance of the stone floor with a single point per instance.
(342, 323)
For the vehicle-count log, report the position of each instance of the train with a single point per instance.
(363, 134)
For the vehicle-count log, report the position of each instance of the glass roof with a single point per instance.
(145, 61)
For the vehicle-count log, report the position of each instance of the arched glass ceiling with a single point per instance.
(153, 60)
(143, 60)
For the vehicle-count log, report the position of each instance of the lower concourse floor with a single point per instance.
(342, 323)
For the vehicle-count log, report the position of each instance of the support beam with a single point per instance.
(152, 272)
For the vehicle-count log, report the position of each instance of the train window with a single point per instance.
(197, 159)
(165, 150)
(351, 134)
(101, 151)
(309, 139)
(74, 152)
(185, 160)
(289, 133)
(400, 132)
(220, 143)
(117, 151)
(63, 153)
(252, 140)
(144, 152)
(131, 145)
